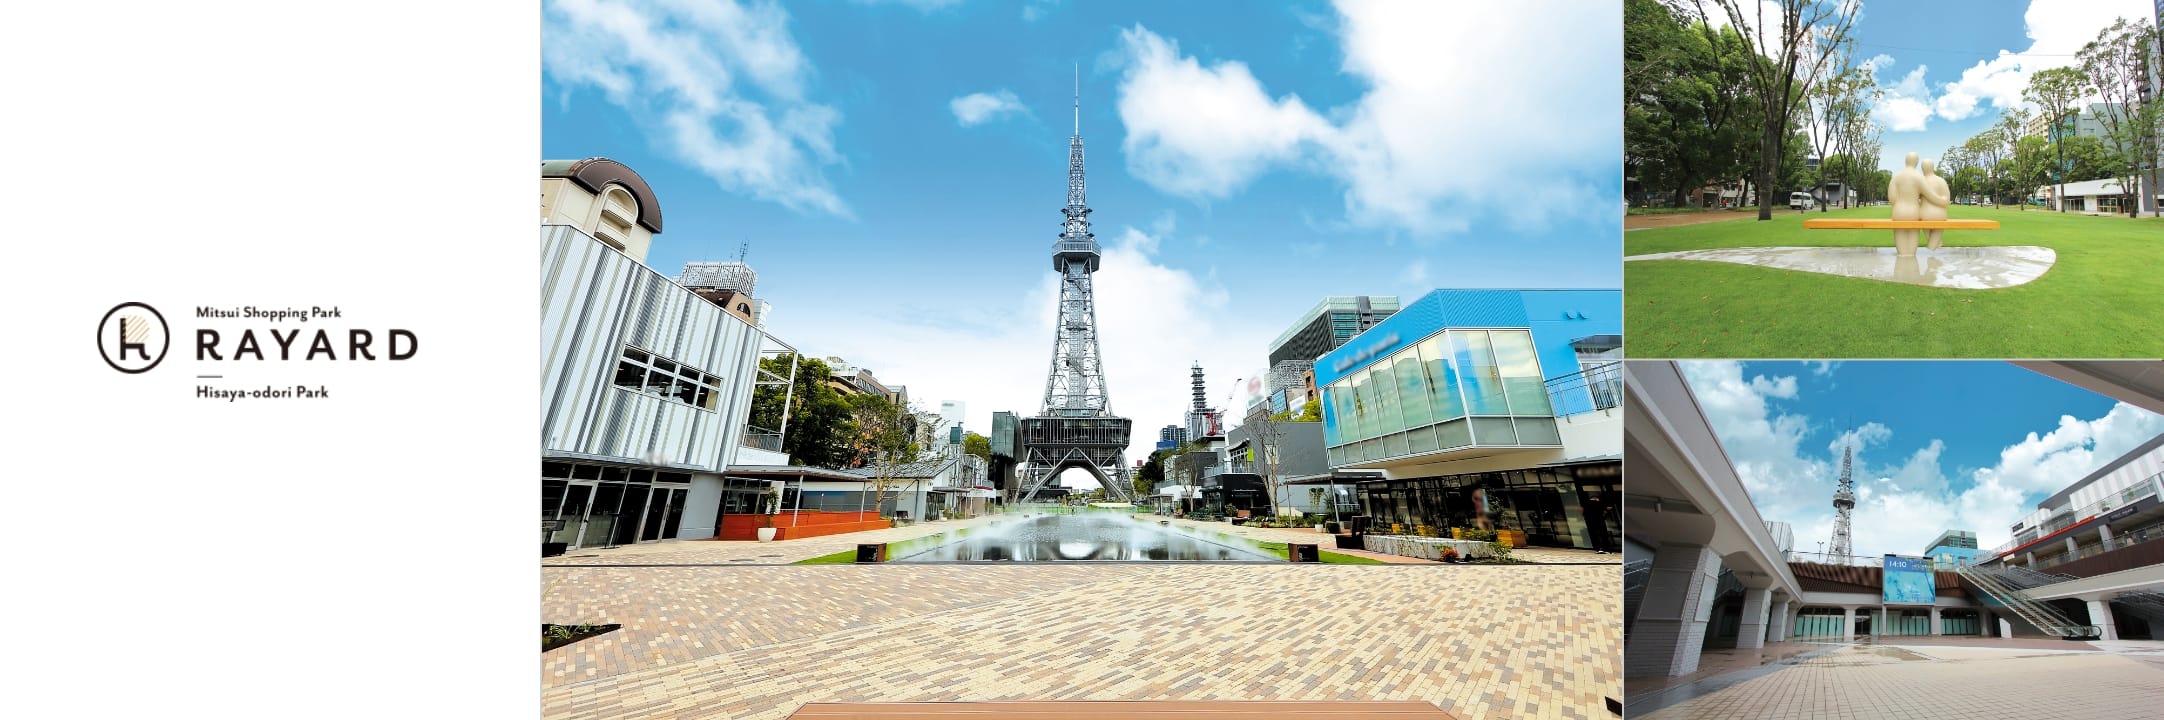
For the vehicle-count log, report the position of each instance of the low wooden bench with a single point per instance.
(1871, 224)
(1906, 232)
(1086, 710)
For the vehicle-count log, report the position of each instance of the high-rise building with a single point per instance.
(1172, 434)
(1328, 325)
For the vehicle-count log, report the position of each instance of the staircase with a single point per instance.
(2004, 588)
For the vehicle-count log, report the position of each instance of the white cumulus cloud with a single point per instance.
(2056, 30)
(720, 85)
(1906, 501)
(1460, 119)
(978, 108)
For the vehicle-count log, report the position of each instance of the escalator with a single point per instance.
(2002, 591)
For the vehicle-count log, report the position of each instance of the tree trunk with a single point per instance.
(1769, 158)
(2059, 172)
(2149, 193)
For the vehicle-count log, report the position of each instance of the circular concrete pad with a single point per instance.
(1964, 268)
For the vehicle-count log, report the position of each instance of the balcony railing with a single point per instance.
(1831, 559)
(2145, 488)
(1595, 388)
(762, 439)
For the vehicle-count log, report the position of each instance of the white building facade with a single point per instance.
(645, 386)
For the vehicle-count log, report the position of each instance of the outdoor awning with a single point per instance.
(1597, 343)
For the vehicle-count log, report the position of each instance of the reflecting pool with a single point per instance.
(1102, 536)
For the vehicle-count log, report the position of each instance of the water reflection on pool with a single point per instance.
(1081, 538)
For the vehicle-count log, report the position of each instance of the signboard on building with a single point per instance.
(1909, 581)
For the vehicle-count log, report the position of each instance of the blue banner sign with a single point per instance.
(1909, 581)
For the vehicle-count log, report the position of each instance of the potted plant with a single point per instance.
(769, 502)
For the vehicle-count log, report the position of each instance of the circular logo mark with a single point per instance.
(133, 337)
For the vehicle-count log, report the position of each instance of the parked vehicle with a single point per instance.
(1801, 201)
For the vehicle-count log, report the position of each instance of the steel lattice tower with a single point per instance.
(1076, 427)
(1844, 500)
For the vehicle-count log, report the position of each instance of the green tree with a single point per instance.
(2054, 91)
(2015, 175)
(977, 445)
(818, 417)
(1801, 42)
(2117, 64)
(1687, 116)
(880, 438)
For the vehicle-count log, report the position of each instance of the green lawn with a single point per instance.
(845, 557)
(2104, 298)
(1278, 549)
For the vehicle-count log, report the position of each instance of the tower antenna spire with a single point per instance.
(1078, 98)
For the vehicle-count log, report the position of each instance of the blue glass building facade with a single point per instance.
(1462, 369)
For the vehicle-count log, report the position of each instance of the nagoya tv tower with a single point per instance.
(1076, 428)
(1844, 500)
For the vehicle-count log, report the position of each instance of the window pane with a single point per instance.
(1384, 383)
(552, 497)
(1442, 380)
(630, 375)
(1363, 410)
(664, 365)
(685, 392)
(1538, 431)
(1520, 370)
(1494, 431)
(1412, 390)
(1330, 396)
(635, 354)
(1483, 383)
(657, 382)
(1454, 434)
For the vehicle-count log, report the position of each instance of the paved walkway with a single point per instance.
(735, 641)
(705, 552)
(1915, 681)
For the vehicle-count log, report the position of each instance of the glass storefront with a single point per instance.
(1575, 506)
(1457, 388)
(600, 505)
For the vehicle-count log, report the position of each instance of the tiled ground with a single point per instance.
(759, 641)
(1960, 680)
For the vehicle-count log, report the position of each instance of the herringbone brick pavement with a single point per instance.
(758, 642)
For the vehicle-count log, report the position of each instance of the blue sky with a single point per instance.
(1950, 70)
(1966, 445)
(898, 167)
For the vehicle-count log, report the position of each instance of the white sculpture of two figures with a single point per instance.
(1917, 195)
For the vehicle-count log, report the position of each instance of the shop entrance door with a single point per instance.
(663, 511)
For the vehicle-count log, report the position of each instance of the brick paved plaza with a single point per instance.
(1947, 678)
(734, 639)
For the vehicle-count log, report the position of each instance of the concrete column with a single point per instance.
(2104, 534)
(1984, 622)
(1848, 623)
(2031, 556)
(1777, 630)
(1935, 622)
(2100, 616)
(2006, 629)
(2070, 547)
(1671, 624)
(1752, 633)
